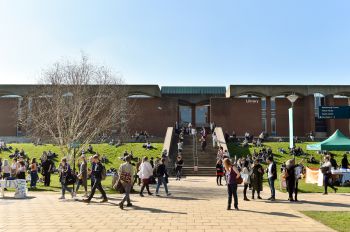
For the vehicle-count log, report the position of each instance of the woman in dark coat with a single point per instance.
(257, 178)
(219, 172)
(290, 178)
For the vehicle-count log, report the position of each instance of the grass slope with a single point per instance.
(112, 153)
(239, 151)
(339, 220)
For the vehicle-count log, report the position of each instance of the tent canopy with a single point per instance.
(337, 142)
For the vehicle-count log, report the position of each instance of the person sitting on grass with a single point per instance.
(90, 149)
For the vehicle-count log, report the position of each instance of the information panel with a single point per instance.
(334, 112)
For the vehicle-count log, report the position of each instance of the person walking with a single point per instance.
(290, 178)
(215, 139)
(178, 167)
(327, 175)
(125, 176)
(219, 172)
(272, 176)
(97, 173)
(162, 176)
(65, 171)
(33, 173)
(47, 167)
(257, 178)
(146, 171)
(232, 175)
(246, 173)
(82, 175)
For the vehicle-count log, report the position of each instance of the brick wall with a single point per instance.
(238, 114)
(8, 116)
(148, 116)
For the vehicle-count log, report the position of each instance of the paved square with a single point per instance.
(196, 204)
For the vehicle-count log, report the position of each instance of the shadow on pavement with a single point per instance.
(153, 210)
(329, 204)
(17, 199)
(271, 213)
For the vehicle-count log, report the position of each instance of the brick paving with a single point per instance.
(196, 204)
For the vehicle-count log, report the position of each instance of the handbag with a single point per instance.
(125, 177)
(71, 179)
(118, 186)
(239, 180)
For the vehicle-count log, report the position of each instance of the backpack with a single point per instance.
(103, 172)
(156, 171)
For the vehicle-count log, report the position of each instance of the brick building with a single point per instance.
(239, 108)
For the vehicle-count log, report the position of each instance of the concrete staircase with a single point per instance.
(206, 159)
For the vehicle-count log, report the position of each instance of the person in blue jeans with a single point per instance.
(33, 173)
(162, 176)
(232, 174)
(272, 176)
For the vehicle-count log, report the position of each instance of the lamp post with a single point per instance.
(292, 98)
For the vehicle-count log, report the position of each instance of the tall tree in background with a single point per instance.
(75, 102)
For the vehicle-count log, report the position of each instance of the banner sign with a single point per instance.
(334, 112)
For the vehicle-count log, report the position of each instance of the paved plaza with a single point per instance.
(196, 204)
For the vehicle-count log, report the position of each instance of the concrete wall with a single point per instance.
(238, 114)
(149, 117)
(8, 116)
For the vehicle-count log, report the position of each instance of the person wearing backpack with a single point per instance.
(65, 171)
(162, 176)
(125, 176)
(97, 174)
(232, 176)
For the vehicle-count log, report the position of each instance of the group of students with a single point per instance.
(18, 169)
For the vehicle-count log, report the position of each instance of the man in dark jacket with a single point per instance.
(272, 176)
(162, 175)
(97, 174)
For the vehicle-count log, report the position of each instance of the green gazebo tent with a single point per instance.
(337, 142)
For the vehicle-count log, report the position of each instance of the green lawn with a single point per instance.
(239, 151)
(338, 220)
(112, 153)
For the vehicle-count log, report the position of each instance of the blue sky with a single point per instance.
(181, 42)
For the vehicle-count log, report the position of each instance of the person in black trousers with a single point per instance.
(219, 172)
(97, 173)
(290, 178)
(47, 166)
(272, 176)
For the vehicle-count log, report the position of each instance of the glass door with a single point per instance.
(185, 113)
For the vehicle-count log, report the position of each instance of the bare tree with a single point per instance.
(75, 102)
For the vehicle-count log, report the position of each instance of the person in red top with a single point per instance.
(232, 176)
(219, 172)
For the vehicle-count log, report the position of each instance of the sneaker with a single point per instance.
(104, 200)
(236, 208)
(168, 194)
(246, 199)
(325, 194)
(157, 194)
(62, 198)
(129, 204)
(228, 208)
(272, 199)
(259, 197)
(150, 194)
(121, 206)
(141, 195)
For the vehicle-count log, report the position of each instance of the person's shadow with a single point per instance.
(280, 214)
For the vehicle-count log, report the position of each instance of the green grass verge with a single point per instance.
(239, 151)
(112, 153)
(339, 220)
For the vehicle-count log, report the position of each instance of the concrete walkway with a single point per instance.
(196, 204)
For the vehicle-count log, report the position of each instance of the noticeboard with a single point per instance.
(334, 112)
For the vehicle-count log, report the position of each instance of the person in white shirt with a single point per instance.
(271, 176)
(146, 171)
(6, 169)
(327, 175)
(215, 139)
(180, 146)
